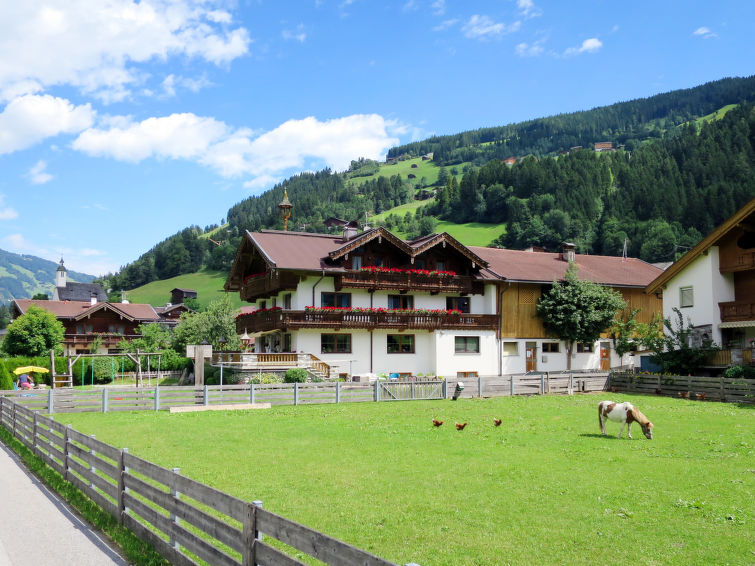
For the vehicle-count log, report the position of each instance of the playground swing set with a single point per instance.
(66, 380)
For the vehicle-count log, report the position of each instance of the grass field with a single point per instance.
(542, 488)
(207, 284)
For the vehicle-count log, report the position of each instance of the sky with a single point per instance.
(121, 122)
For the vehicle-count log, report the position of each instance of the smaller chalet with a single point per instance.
(178, 296)
(170, 314)
(70, 291)
(86, 322)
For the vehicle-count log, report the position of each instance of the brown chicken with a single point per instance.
(701, 396)
(659, 391)
(684, 394)
(437, 423)
(497, 422)
(460, 426)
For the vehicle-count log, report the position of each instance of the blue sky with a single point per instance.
(122, 123)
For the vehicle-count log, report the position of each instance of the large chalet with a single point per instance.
(371, 302)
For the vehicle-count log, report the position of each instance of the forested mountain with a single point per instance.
(671, 183)
(22, 276)
(624, 123)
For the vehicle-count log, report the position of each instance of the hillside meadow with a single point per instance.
(208, 285)
(545, 486)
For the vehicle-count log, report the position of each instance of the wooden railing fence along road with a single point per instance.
(107, 399)
(686, 386)
(186, 521)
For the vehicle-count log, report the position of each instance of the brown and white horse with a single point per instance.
(626, 414)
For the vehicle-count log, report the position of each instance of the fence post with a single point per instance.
(206, 395)
(173, 517)
(104, 399)
(571, 383)
(542, 384)
(65, 452)
(51, 400)
(479, 387)
(257, 534)
(13, 417)
(34, 436)
(92, 468)
(251, 392)
(445, 388)
(122, 489)
(411, 383)
(247, 535)
(157, 398)
(338, 391)
(296, 393)
(377, 390)
(511, 384)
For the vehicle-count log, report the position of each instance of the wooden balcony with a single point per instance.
(261, 287)
(405, 282)
(337, 320)
(251, 361)
(107, 340)
(743, 262)
(737, 310)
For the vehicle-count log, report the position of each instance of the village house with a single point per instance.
(713, 287)
(373, 303)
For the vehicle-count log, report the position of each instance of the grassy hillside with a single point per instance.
(22, 276)
(207, 284)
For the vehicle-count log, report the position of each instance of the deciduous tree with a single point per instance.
(34, 333)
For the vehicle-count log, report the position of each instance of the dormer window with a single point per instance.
(356, 262)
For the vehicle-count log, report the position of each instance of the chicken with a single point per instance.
(497, 422)
(659, 391)
(460, 426)
(684, 394)
(613, 390)
(437, 422)
(701, 396)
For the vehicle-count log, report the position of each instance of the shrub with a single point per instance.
(737, 372)
(6, 380)
(266, 378)
(296, 375)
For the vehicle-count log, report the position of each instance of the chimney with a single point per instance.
(350, 231)
(568, 252)
(93, 298)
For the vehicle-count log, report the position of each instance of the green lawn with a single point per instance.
(542, 488)
(207, 284)
(472, 233)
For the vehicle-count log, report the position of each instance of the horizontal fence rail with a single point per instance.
(186, 521)
(686, 386)
(109, 399)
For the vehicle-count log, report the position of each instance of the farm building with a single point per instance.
(371, 302)
(178, 296)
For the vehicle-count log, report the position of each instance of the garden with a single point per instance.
(544, 486)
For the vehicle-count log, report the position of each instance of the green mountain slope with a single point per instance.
(22, 276)
(207, 284)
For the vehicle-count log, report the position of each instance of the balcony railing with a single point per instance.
(107, 339)
(293, 320)
(251, 361)
(406, 282)
(267, 285)
(737, 310)
(743, 262)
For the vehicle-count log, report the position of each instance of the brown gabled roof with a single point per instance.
(368, 236)
(61, 309)
(295, 250)
(81, 309)
(130, 311)
(420, 245)
(544, 267)
(710, 240)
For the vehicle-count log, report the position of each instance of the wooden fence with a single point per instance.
(107, 399)
(689, 386)
(186, 521)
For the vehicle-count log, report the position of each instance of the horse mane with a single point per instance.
(639, 417)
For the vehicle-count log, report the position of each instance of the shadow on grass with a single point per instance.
(598, 435)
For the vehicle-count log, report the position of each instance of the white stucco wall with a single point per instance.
(550, 361)
(710, 287)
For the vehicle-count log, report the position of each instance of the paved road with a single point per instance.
(37, 528)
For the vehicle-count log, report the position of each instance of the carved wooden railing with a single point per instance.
(269, 284)
(406, 281)
(272, 360)
(410, 320)
(737, 310)
(742, 262)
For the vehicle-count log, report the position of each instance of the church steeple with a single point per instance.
(61, 275)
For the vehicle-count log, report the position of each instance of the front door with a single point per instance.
(605, 356)
(531, 348)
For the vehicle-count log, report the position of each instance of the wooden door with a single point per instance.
(531, 356)
(605, 356)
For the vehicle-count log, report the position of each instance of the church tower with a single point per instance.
(61, 276)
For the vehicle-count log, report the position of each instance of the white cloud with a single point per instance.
(171, 82)
(528, 9)
(6, 213)
(98, 48)
(444, 25)
(410, 6)
(439, 7)
(530, 49)
(38, 174)
(295, 144)
(298, 34)
(705, 33)
(29, 119)
(483, 27)
(591, 45)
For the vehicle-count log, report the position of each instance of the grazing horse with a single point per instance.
(626, 414)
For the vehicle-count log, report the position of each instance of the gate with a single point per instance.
(409, 390)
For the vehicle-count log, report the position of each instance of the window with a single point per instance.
(457, 303)
(460, 374)
(419, 264)
(356, 262)
(440, 265)
(275, 302)
(510, 348)
(467, 344)
(401, 343)
(335, 343)
(584, 348)
(551, 347)
(400, 302)
(686, 297)
(341, 300)
(261, 305)
(287, 301)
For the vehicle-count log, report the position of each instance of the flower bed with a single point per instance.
(376, 269)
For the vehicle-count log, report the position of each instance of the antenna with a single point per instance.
(624, 252)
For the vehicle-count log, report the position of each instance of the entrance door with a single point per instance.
(531, 348)
(605, 356)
